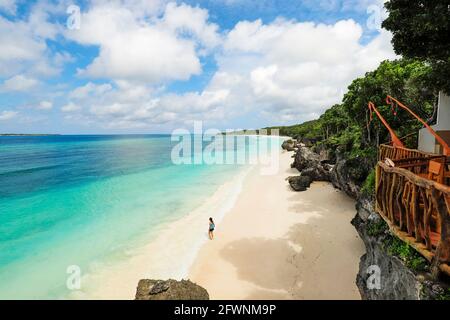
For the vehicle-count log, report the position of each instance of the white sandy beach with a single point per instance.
(279, 244)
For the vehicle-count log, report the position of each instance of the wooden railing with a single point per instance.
(417, 209)
(413, 160)
(396, 153)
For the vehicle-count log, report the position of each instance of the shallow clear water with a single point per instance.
(83, 200)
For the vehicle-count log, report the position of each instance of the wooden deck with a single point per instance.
(413, 203)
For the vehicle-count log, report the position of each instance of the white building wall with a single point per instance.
(427, 142)
(443, 117)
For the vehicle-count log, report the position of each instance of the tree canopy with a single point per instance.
(421, 30)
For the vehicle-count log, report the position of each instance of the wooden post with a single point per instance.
(406, 205)
(427, 210)
(398, 202)
(377, 185)
(415, 212)
(442, 254)
(391, 198)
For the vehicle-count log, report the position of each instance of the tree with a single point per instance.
(421, 30)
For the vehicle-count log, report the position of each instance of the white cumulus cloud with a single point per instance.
(45, 105)
(7, 115)
(151, 50)
(8, 6)
(19, 83)
(70, 107)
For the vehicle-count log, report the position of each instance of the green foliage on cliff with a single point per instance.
(413, 260)
(377, 228)
(445, 296)
(369, 185)
(308, 129)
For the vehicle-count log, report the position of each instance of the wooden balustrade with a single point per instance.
(417, 209)
(415, 161)
(396, 153)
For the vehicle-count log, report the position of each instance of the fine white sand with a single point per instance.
(279, 244)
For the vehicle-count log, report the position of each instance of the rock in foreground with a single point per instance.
(170, 290)
(299, 183)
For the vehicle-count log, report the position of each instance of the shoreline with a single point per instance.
(279, 244)
(168, 255)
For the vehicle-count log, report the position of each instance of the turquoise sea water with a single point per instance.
(82, 200)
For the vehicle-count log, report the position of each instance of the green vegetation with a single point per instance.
(369, 185)
(413, 260)
(376, 228)
(421, 30)
(307, 130)
(445, 295)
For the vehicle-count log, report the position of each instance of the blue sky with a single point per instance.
(153, 66)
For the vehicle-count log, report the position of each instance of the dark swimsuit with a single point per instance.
(211, 227)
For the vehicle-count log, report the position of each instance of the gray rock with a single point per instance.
(308, 142)
(299, 183)
(289, 145)
(316, 173)
(309, 164)
(170, 290)
(325, 154)
(159, 287)
(305, 158)
(349, 175)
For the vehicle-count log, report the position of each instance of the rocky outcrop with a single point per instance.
(308, 142)
(397, 281)
(325, 155)
(349, 175)
(305, 158)
(318, 173)
(289, 145)
(170, 290)
(299, 183)
(309, 165)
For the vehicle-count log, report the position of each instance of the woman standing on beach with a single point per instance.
(211, 228)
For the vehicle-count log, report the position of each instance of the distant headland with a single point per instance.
(27, 134)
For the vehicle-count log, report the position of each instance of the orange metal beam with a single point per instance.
(396, 142)
(395, 103)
